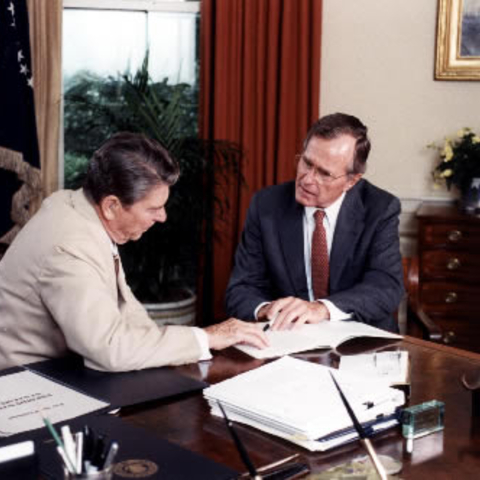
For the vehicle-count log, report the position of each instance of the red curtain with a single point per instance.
(259, 87)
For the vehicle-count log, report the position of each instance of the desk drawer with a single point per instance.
(450, 299)
(450, 265)
(460, 332)
(460, 236)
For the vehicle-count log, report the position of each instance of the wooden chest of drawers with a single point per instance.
(449, 272)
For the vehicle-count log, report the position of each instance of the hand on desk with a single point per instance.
(233, 331)
(290, 312)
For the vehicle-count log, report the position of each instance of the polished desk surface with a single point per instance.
(436, 372)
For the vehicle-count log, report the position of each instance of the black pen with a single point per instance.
(361, 433)
(240, 447)
(88, 443)
(98, 455)
(266, 327)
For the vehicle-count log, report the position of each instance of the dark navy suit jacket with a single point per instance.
(366, 276)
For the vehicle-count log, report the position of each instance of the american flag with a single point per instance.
(19, 155)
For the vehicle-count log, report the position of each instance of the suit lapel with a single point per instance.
(290, 221)
(85, 208)
(349, 226)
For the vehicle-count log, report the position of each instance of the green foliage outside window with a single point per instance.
(166, 257)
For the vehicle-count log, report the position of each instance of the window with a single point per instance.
(104, 41)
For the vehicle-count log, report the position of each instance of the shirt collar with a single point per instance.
(331, 212)
(114, 247)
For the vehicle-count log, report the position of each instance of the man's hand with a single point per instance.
(290, 312)
(233, 331)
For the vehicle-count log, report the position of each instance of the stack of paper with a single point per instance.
(315, 336)
(297, 400)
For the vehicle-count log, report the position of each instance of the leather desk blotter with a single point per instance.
(141, 454)
(120, 389)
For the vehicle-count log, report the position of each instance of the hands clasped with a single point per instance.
(291, 312)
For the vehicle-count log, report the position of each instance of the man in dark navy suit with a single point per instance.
(355, 270)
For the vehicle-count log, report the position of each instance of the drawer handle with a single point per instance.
(453, 264)
(451, 297)
(454, 235)
(449, 337)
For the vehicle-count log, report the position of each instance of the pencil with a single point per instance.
(59, 443)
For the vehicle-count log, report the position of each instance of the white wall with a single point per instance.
(378, 63)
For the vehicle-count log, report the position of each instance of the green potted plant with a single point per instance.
(459, 166)
(163, 266)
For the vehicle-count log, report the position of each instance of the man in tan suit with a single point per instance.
(62, 286)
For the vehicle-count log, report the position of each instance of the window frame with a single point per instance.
(192, 6)
(177, 6)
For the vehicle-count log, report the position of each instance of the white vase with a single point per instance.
(470, 200)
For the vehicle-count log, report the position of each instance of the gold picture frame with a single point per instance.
(458, 44)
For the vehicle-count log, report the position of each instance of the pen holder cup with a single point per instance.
(106, 474)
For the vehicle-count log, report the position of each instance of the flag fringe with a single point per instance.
(27, 199)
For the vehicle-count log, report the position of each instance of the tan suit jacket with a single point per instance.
(59, 293)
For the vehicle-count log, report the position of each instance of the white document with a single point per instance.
(25, 394)
(314, 336)
(390, 367)
(298, 401)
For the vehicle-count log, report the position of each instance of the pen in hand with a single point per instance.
(266, 327)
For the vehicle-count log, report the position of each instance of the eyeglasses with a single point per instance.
(320, 175)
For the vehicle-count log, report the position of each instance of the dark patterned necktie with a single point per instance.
(320, 267)
(116, 260)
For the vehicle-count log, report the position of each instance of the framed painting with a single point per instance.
(458, 40)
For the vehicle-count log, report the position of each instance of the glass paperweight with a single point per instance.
(420, 420)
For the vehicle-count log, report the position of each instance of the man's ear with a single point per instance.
(110, 206)
(352, 181)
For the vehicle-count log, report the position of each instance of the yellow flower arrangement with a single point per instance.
(459, 160)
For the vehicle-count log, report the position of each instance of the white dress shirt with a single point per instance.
(329, 223)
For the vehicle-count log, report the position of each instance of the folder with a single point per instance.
(116, 389)
(120, 389)
(140, 450)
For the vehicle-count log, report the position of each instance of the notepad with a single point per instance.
(315, 336)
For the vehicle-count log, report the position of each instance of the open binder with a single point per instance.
(78, 391)
(297, 400)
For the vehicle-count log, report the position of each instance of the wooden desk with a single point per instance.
(436, 371)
